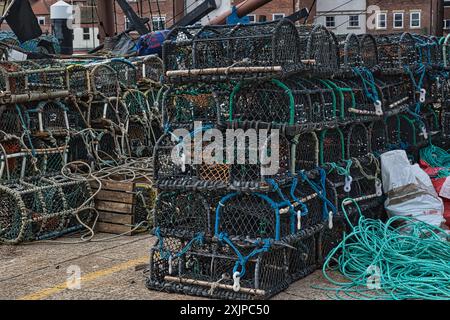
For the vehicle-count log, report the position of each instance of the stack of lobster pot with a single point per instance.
(53, 112)
(272, 134)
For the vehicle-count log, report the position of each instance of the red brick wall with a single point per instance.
(429, 16)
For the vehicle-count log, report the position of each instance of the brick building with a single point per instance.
(419, 16)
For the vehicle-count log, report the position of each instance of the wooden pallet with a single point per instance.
(116, 204)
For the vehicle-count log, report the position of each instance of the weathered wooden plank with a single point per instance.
(113, 228)
(115, 217)
(116, 207)
(115, 196)
(114, 185)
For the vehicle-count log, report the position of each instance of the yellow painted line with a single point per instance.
(88, 277)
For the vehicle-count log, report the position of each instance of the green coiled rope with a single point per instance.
(412, 262)
(437, 158)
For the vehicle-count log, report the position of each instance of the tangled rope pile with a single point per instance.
(382, 261)
(437, 158)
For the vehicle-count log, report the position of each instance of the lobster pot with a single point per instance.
(322, 51)
(378, 136)
(243, 50)
(11, 120)
(12, 158)
(294, 103)
(255, 215)
(182, 106)
(149, 69)
(50, 75)
(331, 238)
(306, 151)
(396, 51)
(42, 208)
(304, 258)
(125, 70)
(198, 271)
(369, 51)
(79, 81)
(349, 51)
(357, 140)
(104, 81)
(394, 91)
(185, 213)
(331, 145)
(48, 117)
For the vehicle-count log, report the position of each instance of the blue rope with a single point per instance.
(370, 89)
(304, 208)
(241, 259)
(166, 254)
(327, 205)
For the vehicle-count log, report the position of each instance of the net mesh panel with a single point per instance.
(378, 136)
(321, 47)
(394, 90)
(182, 106)
(139, 139)
(393, 130)
(79, 148)
(136, 104)
(184, 213)
(11, 159)
(145, 203)
(104, 80)
(396, 51)
(344, 95)
(125, 70)
(79, 85)
(53, 115)
(15, 83)
(10, 121)
(304, 257)
(307, 151)
(252, 216)
(108, 148)
(407, 130)
(53, 75)
(430, 117)
(153, 66)
(357, 142)
(332, 145)
(369, 51)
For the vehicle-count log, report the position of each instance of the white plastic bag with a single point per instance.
(409, 190)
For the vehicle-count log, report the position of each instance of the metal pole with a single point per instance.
(106, 18)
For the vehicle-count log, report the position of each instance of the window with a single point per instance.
(127, 23)
(41, 20)
(447, 24)
(414, 19)
(398, 20)
(86, 34)
(158, 23)
(381, 20)
(330, 22)
(353, 21)
(251, 18)
(277, 16)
